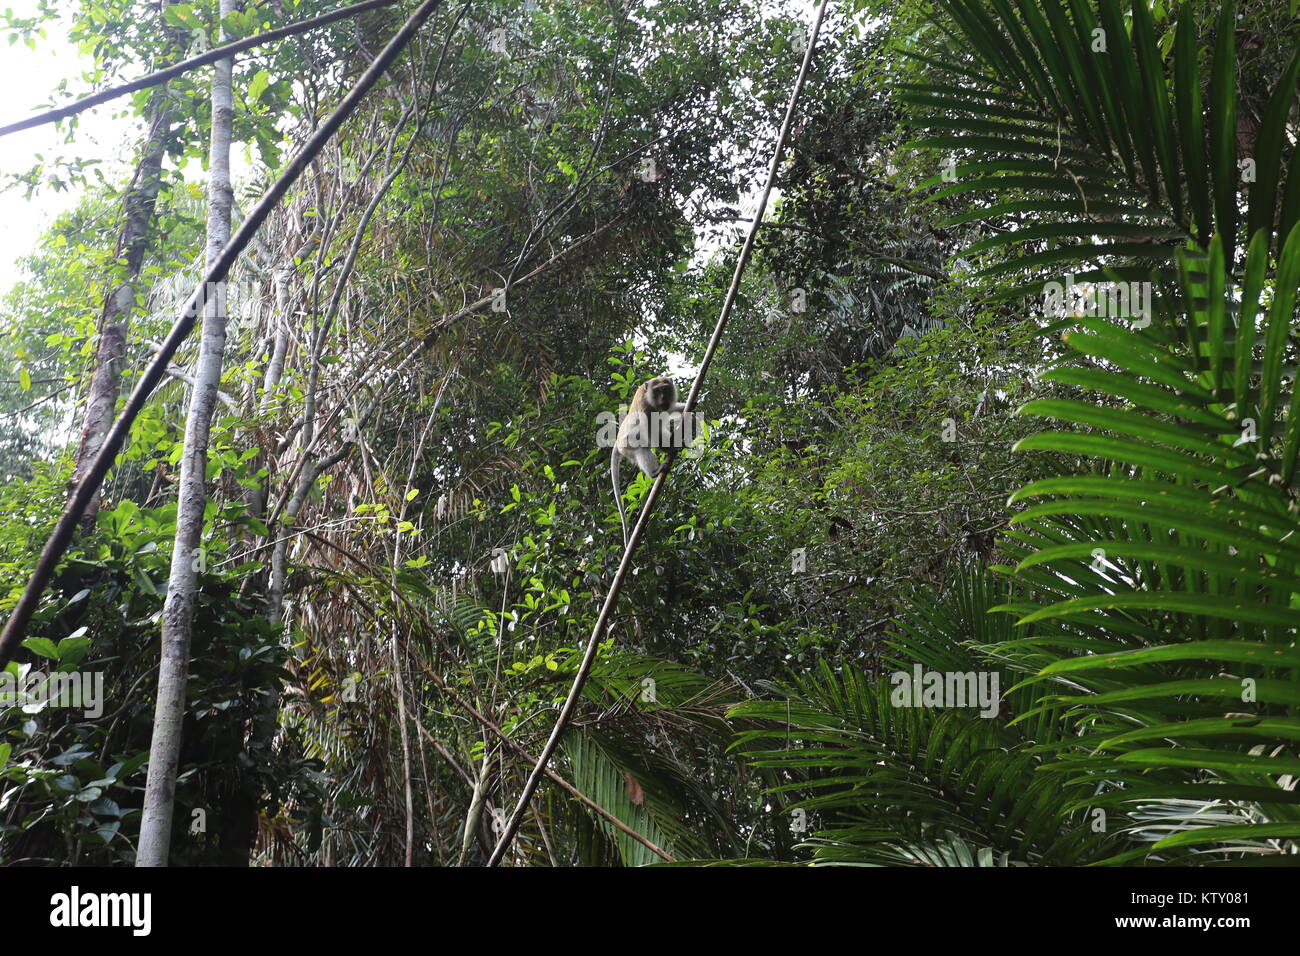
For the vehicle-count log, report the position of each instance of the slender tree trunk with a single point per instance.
(474, 816)
(187, 553)
(406, 756)
(280, 347)
(106, 379)
(394, 630)
(138, 208)
(280, 280)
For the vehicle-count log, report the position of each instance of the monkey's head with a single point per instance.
(660, 393)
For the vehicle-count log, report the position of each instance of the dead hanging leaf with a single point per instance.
(633, 788)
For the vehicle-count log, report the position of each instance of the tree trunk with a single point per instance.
(188, 556)
(106, 379)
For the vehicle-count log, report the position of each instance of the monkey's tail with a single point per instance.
(618, 496)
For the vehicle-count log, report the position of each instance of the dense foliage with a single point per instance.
(410, 529)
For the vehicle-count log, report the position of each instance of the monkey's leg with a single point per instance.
(645, 460)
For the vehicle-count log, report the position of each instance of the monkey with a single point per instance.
(650, 422)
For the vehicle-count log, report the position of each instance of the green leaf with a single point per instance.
(1241, 652)
(1268, 149)
(1230, 608)
(258, 85)
(72, 650)
(1156, 102)
(1280, 313)
(42, 646)
(1211, 759)
(1191, 125)
(1277, 728)
(1229, 833)
(1223, 127)
(1252, 285)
